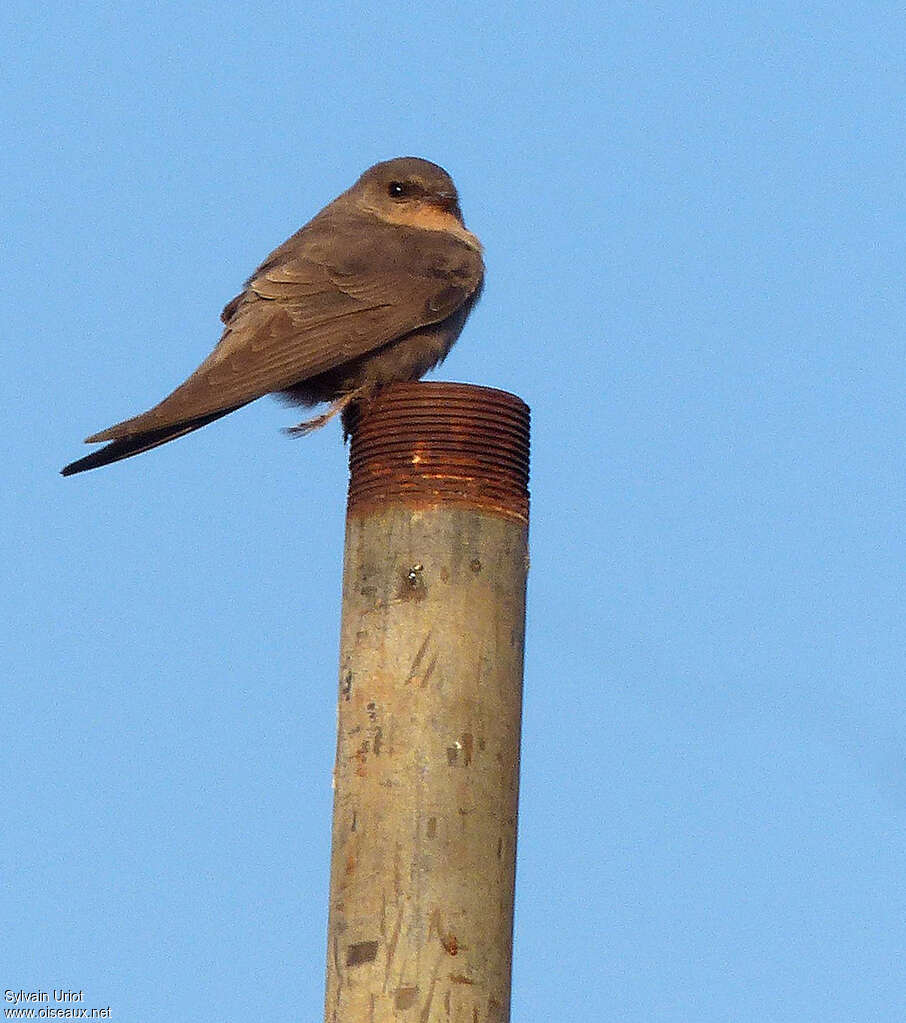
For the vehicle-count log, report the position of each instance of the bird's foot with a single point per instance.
(315, 423)
(309, 425)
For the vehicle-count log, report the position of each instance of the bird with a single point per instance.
(374, 289)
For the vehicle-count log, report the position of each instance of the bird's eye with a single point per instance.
(396, 190)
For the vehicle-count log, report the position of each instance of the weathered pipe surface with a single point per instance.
(427, 770)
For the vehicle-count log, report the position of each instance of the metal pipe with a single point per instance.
(427, 769)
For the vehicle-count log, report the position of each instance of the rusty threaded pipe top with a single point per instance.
(433, 443)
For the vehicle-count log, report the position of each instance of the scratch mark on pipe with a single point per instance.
(336, 964)
(421, 653)
(430, 670)
(426, 1008)
(391, 947)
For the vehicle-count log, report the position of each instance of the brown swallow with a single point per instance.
(376, 288)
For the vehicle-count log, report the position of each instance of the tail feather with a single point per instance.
(128, 446)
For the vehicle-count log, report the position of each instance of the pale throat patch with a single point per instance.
(428, 217)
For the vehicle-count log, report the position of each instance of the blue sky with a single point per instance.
(693, 221)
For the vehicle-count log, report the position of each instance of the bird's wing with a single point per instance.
(134, 445)
(328, 295)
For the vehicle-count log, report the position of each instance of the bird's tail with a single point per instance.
(125, 447)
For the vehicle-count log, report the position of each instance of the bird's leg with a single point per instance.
(335, 408)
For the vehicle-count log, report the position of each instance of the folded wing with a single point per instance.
(325, 297)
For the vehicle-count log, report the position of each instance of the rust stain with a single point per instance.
(447, 497)
(448, 940)
(405, 997)
(475, 565)
(428, 444)
(412, 583)
(360, 757)
(361, 952)
(350, 863)
(458, 978)
(466, 743)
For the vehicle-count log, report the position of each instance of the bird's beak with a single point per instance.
(449, 203)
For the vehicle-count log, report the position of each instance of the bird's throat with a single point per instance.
(426, 217)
